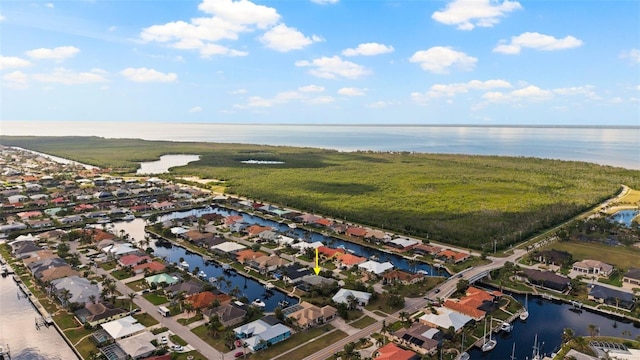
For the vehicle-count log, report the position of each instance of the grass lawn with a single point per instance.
(121, 274)
(75, 335)
(363, 322)
(190, 320)
(146, 319)
(218, 343)
(192, 355)
(295, 340)
(621, 257)
(316, 345)
(381, 303)
(138, 285)
(614, 279)
(108, 265)
(177, 340)
(156, 299)
(473, 261)
(86, 347)
(65, 321)
(159, 330)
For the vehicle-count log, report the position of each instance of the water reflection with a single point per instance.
(165, 163)
(625, 216)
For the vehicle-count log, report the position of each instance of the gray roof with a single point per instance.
(633, 273)
(602, 292)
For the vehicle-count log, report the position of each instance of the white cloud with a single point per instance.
(15, 80)
(587, 91)
(368, 49)
(320, 100)
(379, 104)
(228, 19)
(467, 14)
(537, 41)
(59, 53)
(283, 38)
(332, 67)
(351, 91)
(2, 18)
(311, 88)
(10, 62)
(238, 92)
(70, 77)
(450, 90)
(527, 93)
(112, 28)
(633, 55)
(49, 5)
(440, 59)
(148, 75)
(195, 109)
(325, 2)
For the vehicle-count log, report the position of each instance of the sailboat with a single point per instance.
(463, 354)
(488, 345)
(513, 352)
(525, 314)
(535, 354)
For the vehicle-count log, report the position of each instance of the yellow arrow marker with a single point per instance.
(317, 268)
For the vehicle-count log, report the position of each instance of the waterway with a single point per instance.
(165, 163)
(548, 320)
(18, 330)
(625, 216)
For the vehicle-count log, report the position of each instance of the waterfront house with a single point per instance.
(267, 263)
(150, 267)
(455, 257)
(187, 287)
(403, 244)
(392, 351)
(39, 255)
(348, 261)
(255, 230)
(163, 206)
(593, 267)
(132, 260)
(160, 279)
(227, 248)
(308, 282)
(612, 297)
(420, 338)
(547, 279)
(356, 232)
(138, 346)
(375, 267)
(402, 277)
(80, 289)
(444, 318)
(98, 235)
(205, 299)
(306, 315)
(246, 255)
(119, 249)
(328, 253)
(71, 219)
(15, 226)
(228, 314)
(260, 334)
(121, 328)
(294, 273)
(632, 277)
(94, 314)
(39, 224)
(345, 296)
(268, 235)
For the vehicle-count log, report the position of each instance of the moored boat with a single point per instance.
(258, 303)
(506, 327)
(202, 274)
(184, 265)
(283, 303)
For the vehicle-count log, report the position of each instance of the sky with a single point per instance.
(484, 62)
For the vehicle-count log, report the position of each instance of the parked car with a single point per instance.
(164, 340)
(437, 291)
(177, 347)
(238, 354)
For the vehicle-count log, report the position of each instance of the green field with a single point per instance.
(621, 257)
(459, 199)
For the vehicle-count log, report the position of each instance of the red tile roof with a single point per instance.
(206, 298)
(153, 266)
(391, 351)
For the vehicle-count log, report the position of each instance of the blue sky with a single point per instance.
(322, 61)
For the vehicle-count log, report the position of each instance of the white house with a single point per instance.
(343, 295)
(375, 267)
(121, 328)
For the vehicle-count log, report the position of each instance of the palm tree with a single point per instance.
(351, 301)
(92, 298)
(131, 296)
(235, 291)
(404, 316)
(188, 307)
(214, 325)
(179, 298)
(65, 296)
(593, 330)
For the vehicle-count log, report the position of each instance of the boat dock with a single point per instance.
(46, 319)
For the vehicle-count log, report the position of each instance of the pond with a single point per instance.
(625, 217)
(165, 163)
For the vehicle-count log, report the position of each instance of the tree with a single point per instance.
(593, 330)
(131, 296)
(567, 335)
(92, 298)
(214, 325)
(188, 307)
(65, 296)
(462, 285)
(404, 316)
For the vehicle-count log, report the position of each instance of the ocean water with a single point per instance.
(615, 146)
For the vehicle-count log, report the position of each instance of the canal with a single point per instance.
(18, 329)
(547, 320)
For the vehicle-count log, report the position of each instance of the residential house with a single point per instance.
(375, 267)
(349, 260)
(309, 282)
(97, 313)
(150, 267)
(268, 235)
(266, 264)
(632, 277)
(547, 279)
(80, 289)
(475, 303)
(119, 249)
(357, 232)
(403, 244)
(122, 328)
(612, 297)
(138, 346)
(39, 224)
(392, 351)
(163, 206)
(553, 257)
(163, 278)
(593, 267)
(228, 314)
(402, 277)
(444, 318)
(255, 230)
(260, 334)
(345, 296)
(294, 273)
(246, 255)
(71, 219)
(455, 257)
(206, 299)
(306, 315)
(418, 337)
(132, 260)
(228, 248)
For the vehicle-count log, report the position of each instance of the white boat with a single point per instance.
(258, 303)
(213, 280)
(269, 286)
(423, 272)
(283, 303)
(535, 354)
(488, 345)
(506, 327)
(129, 217)
(463, 354)
(525, 314)
(202, 274)
(292, 225)
(184, 265)
(103, 220)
